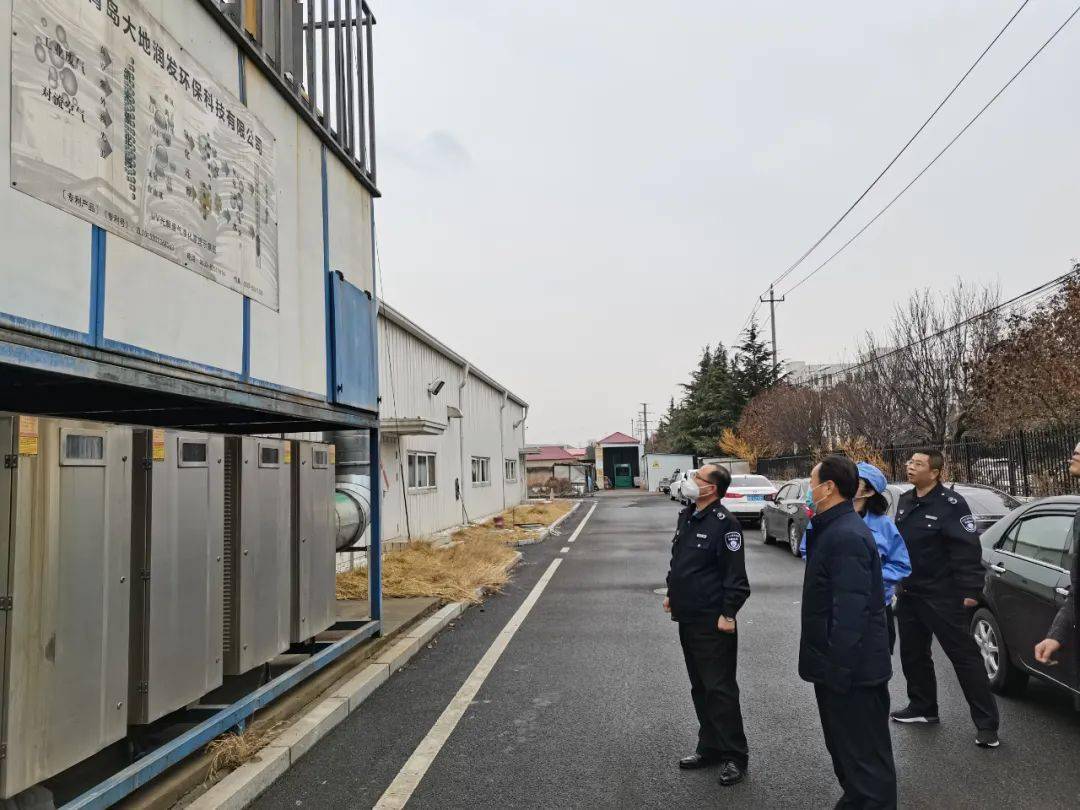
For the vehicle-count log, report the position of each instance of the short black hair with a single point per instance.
(877, 504)
(935, 456)
(842, 471)
(720, 478)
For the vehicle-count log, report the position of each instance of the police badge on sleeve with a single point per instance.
(733, 540)
(968, 522)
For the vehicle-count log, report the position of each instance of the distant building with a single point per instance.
(552, 461)
(618, 461)
(818, 375)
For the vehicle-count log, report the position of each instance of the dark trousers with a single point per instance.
(921, 620)
(856, 726)
(890, 620)
(711, 658)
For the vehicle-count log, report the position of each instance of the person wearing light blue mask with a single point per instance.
(871, 504)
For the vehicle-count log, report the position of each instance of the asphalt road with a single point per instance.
(589, 706)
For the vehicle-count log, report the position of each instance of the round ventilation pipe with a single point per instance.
(352, 507)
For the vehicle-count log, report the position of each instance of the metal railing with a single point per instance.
(1031, 463)
(318, 54)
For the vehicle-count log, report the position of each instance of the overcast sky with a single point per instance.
(578, 197)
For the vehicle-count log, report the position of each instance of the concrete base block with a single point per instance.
(313, 726)
(358, 688)
(241, 787)
(396, 655)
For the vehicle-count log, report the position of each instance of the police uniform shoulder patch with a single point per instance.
(968, 522)
(953, 500)
(733, 540)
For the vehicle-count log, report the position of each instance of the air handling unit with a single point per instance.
(65, 542)
(258, 551)
(176, 570)
(314, 532)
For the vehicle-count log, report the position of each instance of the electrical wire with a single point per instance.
(903, 149)
(937, 157)
(1030, 297)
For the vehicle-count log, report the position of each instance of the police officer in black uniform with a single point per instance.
(707, 585)
(936, 599)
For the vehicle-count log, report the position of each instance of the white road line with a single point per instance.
(564, 549)
(581, 525)
(408, 778)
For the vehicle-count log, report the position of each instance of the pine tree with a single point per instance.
(752, 370)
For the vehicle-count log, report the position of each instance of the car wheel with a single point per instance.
(794, 539)
(765, 536)
(1005, 678)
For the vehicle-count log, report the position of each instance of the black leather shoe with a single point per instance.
(730, 774)
(695, 761)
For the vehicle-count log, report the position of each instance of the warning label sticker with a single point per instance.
(28, 435)
(158, 451)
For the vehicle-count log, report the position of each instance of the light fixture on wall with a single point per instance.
(436, 387)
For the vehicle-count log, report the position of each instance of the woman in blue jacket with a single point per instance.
(871, 504)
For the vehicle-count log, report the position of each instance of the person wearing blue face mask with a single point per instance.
(872, 506)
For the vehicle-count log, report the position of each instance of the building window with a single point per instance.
(421, 471)
(481, 470)
(511, 469)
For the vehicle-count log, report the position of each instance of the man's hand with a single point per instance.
(971, 603)
(667, 605)
(1044, 651)
(725, 625)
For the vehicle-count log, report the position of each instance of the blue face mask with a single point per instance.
(810, 499)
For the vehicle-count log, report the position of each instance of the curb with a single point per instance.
(540, 538)
(245, 784)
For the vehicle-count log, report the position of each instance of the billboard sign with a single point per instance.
(115, 123)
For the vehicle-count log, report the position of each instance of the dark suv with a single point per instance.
(1027, 556)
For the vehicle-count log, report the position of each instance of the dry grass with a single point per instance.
(230, 751)
(479, 556)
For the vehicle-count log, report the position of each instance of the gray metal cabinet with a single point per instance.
(65, 542)
(258, 551)
(314, 535)
(178, 504)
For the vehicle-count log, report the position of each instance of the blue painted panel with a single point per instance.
(355, 380)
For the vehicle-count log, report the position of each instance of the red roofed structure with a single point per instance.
(618, 461)
(618, 438)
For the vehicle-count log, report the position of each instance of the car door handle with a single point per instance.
(997, 567)
(1061, 591)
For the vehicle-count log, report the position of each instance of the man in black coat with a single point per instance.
(844, 650)
(707, 585)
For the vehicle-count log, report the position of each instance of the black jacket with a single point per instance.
(942, 539)
(707, 576)
(1066, 628)
(845, 640)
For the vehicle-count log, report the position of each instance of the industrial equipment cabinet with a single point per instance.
(314, 533)
(258, 551)
(65, 543)
(178, 503)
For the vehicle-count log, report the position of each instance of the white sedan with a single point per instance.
(747, 496)
(676, 485)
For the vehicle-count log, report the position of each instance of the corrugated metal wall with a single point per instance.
(407, 367)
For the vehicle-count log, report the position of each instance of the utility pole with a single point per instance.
(644, 424)
(772, 301)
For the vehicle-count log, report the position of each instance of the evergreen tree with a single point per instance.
(752, 370)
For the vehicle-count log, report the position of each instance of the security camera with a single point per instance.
(436, 387)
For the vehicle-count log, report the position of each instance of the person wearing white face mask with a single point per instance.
(707, 585)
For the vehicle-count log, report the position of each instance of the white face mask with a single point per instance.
(815, 500)
(691, 489)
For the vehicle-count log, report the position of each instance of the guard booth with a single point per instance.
(619, 457)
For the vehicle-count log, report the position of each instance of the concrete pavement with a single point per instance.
(589, 706)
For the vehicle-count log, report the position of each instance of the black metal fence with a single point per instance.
(1031, 463)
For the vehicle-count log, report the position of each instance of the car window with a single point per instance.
(803, 486)
(785, 492)
(988, 502)
(1044, 538)
(750, 481)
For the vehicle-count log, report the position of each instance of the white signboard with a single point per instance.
(114, 122)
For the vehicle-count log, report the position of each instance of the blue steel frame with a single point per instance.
(136, 775)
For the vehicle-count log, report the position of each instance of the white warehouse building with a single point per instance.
(453, 439)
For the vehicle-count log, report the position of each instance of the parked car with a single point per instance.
(746, 497)
(785, 517)
(1027, 556)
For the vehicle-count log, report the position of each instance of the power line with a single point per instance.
(1036, 293)
(937, 157)
(903, 149)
